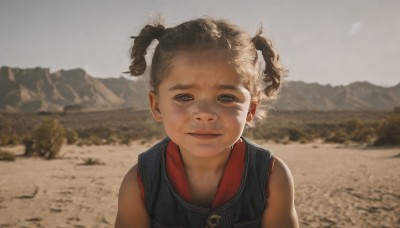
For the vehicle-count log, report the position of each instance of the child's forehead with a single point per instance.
(202, 57)
(212, 67)
(201, 70)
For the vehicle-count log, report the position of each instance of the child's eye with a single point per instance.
(226, 98)
(183, 97)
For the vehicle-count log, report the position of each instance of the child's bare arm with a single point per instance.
(280, 211)
(131, 210)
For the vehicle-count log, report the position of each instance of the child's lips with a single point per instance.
(205, 135)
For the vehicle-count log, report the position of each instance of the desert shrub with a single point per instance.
(101, 135)
(112, 139)
(91, 140)
(304, 141)
(351, 126)
(48, 138)
(321, 130)
(388, 133)
(363, 135)
(12, 139)
(358, 131)
(264, 132)
(101, 132)
(6, 156)
(3, 140)
(284, 141)
(125, 141)
(95, 140)
(29, 145)
(338, 136)
(92, 161)
(296, 134)
(350, 131)
(71, 135)
(84, 142)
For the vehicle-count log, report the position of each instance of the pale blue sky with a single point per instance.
(336, 42)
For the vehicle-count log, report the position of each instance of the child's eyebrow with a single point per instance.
(229, 87)
(189, 86)
(180, 87)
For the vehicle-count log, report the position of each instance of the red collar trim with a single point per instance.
(230, 181)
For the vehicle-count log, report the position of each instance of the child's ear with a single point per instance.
(252, 112)
(154, 106)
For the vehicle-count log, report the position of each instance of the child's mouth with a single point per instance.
(205, 135)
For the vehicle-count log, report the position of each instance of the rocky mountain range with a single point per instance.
(38, 90)
(355, 96)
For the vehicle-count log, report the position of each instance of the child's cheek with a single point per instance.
(234, 113)
(177, 113)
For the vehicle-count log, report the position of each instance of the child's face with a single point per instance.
(202, 104)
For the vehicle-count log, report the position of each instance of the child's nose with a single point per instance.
(205, 116)
(205, 112)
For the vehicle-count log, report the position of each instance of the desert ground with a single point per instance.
(336, 186)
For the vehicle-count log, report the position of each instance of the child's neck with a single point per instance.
(203, 176)
(211, 165)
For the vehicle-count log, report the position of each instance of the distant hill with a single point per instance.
(297, 95)
(35, 90)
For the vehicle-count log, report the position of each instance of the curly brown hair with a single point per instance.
(207, 33)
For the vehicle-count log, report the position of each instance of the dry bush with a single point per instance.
(112, 139)
(71, 135)
(6, 156)
(48, 138)
(359, 132)
(29, 145)
(123, 126)
(352, 125)
(84, 142)
(92, 140)
(363, 135)
(126, 141)
(338, 136)
(95, 140)
(296, 134)
(264, 132)
(388, 133)
(92, 161)
(351, 131)
(6, 140)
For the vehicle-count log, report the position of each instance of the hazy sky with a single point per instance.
(336, 42)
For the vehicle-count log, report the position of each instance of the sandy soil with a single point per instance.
(335, 186)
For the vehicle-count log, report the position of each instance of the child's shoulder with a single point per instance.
(155, 149)
(149, 162)
(280, 171)
(256, 149)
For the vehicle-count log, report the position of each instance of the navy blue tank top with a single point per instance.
(167, 209)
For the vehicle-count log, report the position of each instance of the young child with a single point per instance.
(206, 86)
